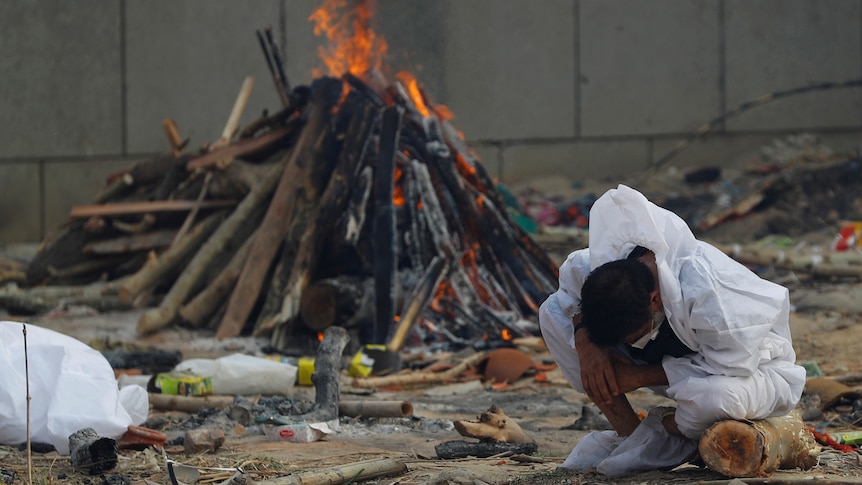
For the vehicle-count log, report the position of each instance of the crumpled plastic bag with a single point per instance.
(649, 447)
(244, 374)
(72, 387)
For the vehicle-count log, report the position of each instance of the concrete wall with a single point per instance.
(577, 88)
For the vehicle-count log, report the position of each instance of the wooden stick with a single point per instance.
(211, 159)
(342, 474)
(385, 248)
(420, 377)
(157, 268)
(276, 77)
(235, 113)
(375, 409)
(126, 208)
(190, 218)
(129, 244)
(162, 316)
(29, 398)
(418, 301)
(174, 139)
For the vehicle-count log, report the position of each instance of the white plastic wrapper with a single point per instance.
(72, 387)
(244, 374)
(300, 432)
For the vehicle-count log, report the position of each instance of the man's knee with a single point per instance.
(698, 411)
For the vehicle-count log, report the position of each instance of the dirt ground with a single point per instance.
(825, 327)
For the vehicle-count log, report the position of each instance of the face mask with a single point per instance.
(657, 319)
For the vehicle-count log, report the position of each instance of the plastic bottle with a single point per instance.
(852, 438)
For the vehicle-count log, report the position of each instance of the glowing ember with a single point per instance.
(353, 46)
(320, 336)
(398, 193)
(506, 334)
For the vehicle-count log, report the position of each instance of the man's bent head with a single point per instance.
(617, 300)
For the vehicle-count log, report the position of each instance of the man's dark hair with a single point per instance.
(615, 300)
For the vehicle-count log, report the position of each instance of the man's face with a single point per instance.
(649, 331)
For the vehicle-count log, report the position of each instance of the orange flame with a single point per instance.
(412, 86)
(320, 336)
(352, 45)
(506, 334)
(443, 112)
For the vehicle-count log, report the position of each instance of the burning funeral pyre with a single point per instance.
(358, 204)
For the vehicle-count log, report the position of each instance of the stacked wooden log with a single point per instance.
(352, 206)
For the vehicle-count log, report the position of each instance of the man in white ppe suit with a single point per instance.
(649, 305)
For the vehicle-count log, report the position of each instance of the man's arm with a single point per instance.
(631, 377)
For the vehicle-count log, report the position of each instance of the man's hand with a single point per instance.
(597, 368)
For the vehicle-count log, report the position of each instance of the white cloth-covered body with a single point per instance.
(737, 324)
(72, 387)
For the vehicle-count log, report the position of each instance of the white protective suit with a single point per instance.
(737, 324)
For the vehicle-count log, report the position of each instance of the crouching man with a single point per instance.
(649, 305)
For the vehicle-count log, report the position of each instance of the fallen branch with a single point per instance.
(359, 471)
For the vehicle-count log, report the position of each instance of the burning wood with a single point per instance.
(358, 204)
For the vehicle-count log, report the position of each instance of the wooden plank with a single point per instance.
(143, 207)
